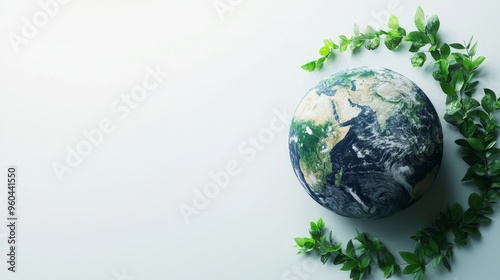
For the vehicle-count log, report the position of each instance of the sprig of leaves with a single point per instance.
(358, 257)
(456, 67)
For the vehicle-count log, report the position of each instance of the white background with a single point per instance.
(116, 214)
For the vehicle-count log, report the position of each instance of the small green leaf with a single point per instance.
(448, 89)
(475, 201)
(350, 249)
(364, 260)
(462, 142)
(392, 42)
(457, 46)
(349, 265)
(488, 102)
(329, 43)
(370, 33)
(445, 51)
(418, 59)
(436, 55)
(340, 258)
(456, 212)
(409, 257)
(417, 37)
(467, 128)
(472, 51)
(446, 263)
(458, 80)
(432, 26)
(420, 19)
(320, 224)
(478, 61)
(356, 30)
(434, 246)
(371, 44)
(494, 168)
(310, 66)
(470, 104)
(393, 22)
(436, 261)
(324, 51)
(388, 270)
(443, 67)
(412, 268)
(476, 144)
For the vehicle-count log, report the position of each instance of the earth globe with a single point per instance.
(366, 142)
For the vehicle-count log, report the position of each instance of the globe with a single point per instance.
(366, 142)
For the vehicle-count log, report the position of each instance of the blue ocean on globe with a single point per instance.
(366, 142)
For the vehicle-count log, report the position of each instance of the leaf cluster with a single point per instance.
(456, 66)
(357, 257)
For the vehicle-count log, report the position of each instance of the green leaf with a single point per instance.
(409, 257)
(494, 168)
(482, 115)
(434, 246)
(446, 263)
(476, 144)
(393, 22)
(488, 102)
(329, 43)
(457, 46)
(356, 30)
(324, 51)
(419, 275)
(320, 224)
(320, 63)
(349, 265)
(388, 270)
(462, 142)
(470, 104)
(478, 61)
(443, 67)
(418, 59)
(467, 128)
(472, 51)
(420, 19)
(418, 38)
(448, 89)
(310, 66)
(490, 145)
(370, 33)
(475, 201)
(436, 261)
(432, 26)
(456, 212)
(364, 260)
(350, 249)
(412, 268)
(392, 42)
(436, 55)
(458, 80)
(445, 51)
(340, 258)
(371, 44)
(306, 243)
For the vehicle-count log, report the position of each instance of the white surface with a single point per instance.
(116, 215)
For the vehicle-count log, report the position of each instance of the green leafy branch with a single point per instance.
(456, 66)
